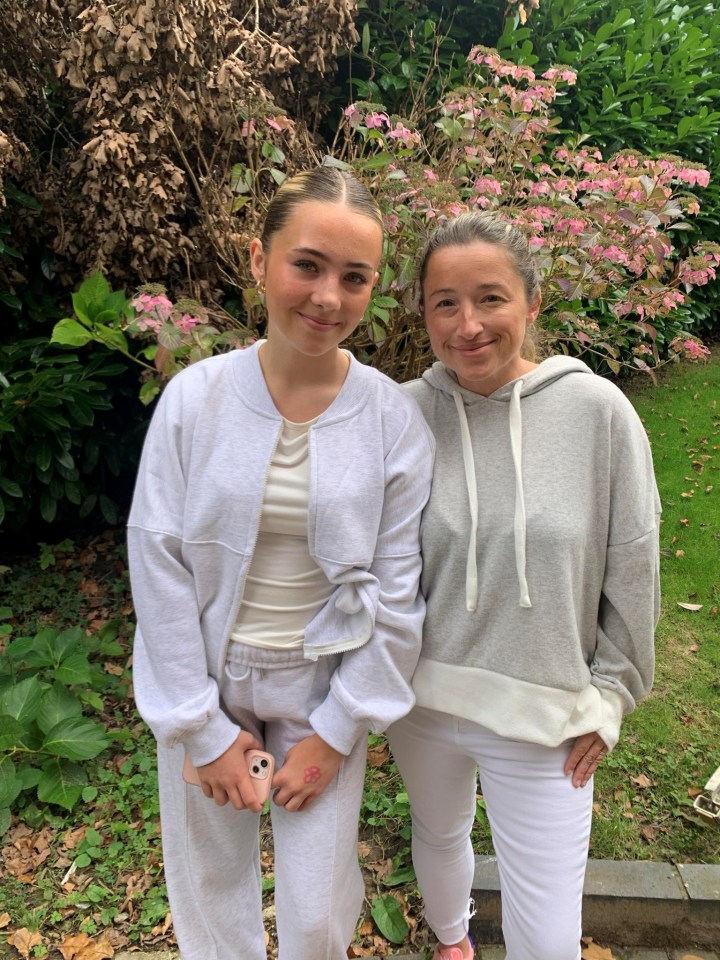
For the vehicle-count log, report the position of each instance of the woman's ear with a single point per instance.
(257, 260)
(533, 310)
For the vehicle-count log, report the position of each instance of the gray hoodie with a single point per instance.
(540, 554)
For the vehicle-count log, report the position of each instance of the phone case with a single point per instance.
(260, 766)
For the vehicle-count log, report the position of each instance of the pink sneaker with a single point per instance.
(452, 953)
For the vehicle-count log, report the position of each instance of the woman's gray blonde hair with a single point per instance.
(471, 228)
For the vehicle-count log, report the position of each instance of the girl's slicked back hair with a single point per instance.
(324, 184)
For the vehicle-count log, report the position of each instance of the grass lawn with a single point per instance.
(96, 872)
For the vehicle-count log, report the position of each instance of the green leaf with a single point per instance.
(90, 298)
(685, 124)
(61, 783)
(22, 700)
(57, 704)
(111, 338)
(385, 302)
(366, 38)
(10, 300)
(48, 507)
(5, 817)
(76, 739)
(11, 730)
(10, 784)
(11, 488)
(109, 509)
(74, 670)
(35, 651)
(388, 916)
(70, 333)
(65, 458)
(43, 455)
(24, 199)
(148, 391)
(379, 160)
(401, 876)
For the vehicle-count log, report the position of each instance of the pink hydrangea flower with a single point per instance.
(186, 323)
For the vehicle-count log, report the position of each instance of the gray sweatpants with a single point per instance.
(211, 853)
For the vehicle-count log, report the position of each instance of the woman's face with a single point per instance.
(476, 313)
(318, 272)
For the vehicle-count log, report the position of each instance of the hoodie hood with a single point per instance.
(443, 379)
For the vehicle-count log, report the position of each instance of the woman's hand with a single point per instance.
(584, 758)
(227, 780)
(309, 767)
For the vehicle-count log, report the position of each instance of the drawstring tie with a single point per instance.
(520, 525)
(471, 574)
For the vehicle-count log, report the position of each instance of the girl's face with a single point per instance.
(318, 272)
(476, 313)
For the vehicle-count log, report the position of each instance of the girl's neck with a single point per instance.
(302, 387)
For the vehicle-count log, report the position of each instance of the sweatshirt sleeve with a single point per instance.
(371, 688)
(173, 690)
(623, 665)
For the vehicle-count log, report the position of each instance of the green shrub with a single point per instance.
(612, 281)
(411, 52)
(64, 435)
(648, 72)
(46, 683)
(648, 79)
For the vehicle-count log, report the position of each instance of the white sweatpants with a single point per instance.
(540, 825)
(211, 853)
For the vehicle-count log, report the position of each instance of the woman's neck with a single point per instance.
(302, 387)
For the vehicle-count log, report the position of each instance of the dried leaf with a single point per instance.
(642, 781)
(24, 940)
(4, 920)
(690, 606)
(593, 951)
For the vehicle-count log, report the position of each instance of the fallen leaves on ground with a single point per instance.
(80, 946)
(593, 951)
(24, 940)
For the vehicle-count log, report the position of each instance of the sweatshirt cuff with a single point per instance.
(613, 708)
(336, 726)
(211, 740)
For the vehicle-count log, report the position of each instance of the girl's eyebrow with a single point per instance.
(309, 252)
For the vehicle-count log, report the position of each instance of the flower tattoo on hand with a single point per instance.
(312, 774)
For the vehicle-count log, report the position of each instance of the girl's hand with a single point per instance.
(584, 758)
(227, 780)
(309, 767)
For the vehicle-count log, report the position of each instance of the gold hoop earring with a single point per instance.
(261, 288)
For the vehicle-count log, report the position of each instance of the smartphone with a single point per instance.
(260, 767)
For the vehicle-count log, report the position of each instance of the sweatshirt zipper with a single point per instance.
(240, 585)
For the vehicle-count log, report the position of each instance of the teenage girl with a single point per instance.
(274, 560)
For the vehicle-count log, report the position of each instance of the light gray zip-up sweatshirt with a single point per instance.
(540, 554)
(192, 531)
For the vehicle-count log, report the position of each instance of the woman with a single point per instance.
(540, 574)
(274, 560)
